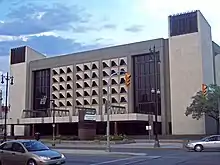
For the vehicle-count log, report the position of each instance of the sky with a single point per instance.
(55, 27)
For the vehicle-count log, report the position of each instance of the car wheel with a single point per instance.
(198, 148)
(31, 162)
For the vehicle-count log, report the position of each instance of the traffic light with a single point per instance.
(127, 79)
(204, 89)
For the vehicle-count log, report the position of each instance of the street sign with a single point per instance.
(90, 114)
(148, 127)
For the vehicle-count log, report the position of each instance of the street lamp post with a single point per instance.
(155, 91)
(6, 78)
(53, 122)
(108, 104)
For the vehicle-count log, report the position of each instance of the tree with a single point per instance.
(206, 105)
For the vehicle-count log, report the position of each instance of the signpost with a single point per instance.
(90, 114)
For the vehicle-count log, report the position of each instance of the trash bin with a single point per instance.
(37, 136)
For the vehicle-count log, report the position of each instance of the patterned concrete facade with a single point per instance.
(80, 79)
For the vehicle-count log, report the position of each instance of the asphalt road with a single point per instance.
(154, 157)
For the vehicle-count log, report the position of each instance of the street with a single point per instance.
(153, 157)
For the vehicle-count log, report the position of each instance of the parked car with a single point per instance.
(29, 152)
(210, 142)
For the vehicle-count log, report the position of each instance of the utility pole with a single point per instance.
(53, 125)
(108, 104)
(156, 92)
(7, 78)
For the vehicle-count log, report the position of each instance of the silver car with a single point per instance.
(210, 142)
(29, 152)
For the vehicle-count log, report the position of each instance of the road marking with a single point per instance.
(117, 160)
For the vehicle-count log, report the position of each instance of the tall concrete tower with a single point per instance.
(191, 64)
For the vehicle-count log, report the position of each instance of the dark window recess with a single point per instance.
(78, 86)
(55, 72)
(105, 65)
(144, 80)
(104, 91)
(112, 71)
(54, 96)
(78, 103)
(86, 102)
(105, 74)
(94, 102)
(114, 91)
(94, 75)
(69, 70)
(54, 80)
(122, 81)
(18, 55)
(94, 84)
(61, 95)
(122, 90)
(103, 100)
(61, 87)
(183, 23)
(104, 82)
(86, 93)
(94, 93)
(42, 87)
(114, 100)
(68, 86)
(86, 67)
(123, 100)
(86, 85)
(94, 66)
(61, 79)
(62, 71)
(61, 104)
(68, 78)
(122, 70)
(122, 62)
(68, 103)
(113, 64)
(78, 94)
(78, 77)
(68, 95)
(86, 76)
(54, 88)
(114, 82)
(78, 69)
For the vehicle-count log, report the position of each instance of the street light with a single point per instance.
(53, 125)
(6, 78)
(155, 91)
(108, 104)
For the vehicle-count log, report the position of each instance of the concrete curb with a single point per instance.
(115, 148)
(98, 152)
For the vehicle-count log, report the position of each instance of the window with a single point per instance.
(18, 55)
(6, 146)
(146, 72)
(17, 148)
(41, 88)
(34, 146)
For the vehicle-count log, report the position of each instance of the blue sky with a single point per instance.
(55, 27)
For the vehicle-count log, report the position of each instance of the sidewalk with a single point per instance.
(120, 146)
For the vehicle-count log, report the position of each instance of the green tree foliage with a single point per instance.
(206, 105)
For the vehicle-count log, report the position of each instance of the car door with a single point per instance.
(18, 155)
(5, 153)
(211, 142)
(218, 142)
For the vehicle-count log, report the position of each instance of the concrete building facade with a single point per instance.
(184, 61)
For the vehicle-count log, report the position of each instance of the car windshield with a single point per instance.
(34, 146)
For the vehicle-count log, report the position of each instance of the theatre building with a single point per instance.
(165, 74)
